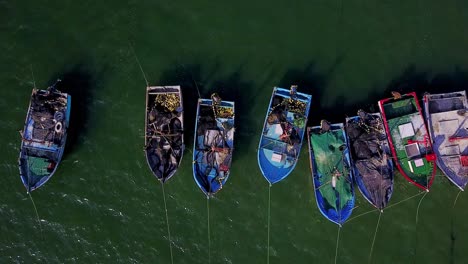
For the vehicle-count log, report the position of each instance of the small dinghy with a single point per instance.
(408, 138)
(448, 126)
(283, 133)
(164, 140)
(370, 153)
(331, 171)
(44, 136)
(213, 144)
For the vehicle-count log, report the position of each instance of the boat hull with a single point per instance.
(43, 137)
(409, 139)
(164, 124)
(332, 174)
(372, 163)
(213, 145)
(277, 155)
(447, 121)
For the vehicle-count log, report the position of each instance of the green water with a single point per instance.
(104, 206)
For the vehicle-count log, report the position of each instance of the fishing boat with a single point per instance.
(332, 174)
(370, 156)
(409, 139)
(446, 116)
(164, 139)
(283, 133)
(213, 144)
(44, 136)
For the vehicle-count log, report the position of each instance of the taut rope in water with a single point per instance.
(208, 224)
(373, 240)
(456, 199)
(138, 61)
(167, 222)
(417, 210)
(35, 209)
(337, 243)
(404, 200)
(392, 205)
(32, 74)
(268, 225)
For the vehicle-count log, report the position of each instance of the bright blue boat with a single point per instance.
(283, 133)
(213, 144)
(331, 171)
(44, 136)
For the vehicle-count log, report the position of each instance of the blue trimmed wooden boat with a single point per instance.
(164, 124)
(213, 144)
(447, 119)
(332, 174)
(283, 133)
(370, 155)
(44, 136)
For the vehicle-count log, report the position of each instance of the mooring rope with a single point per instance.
(139, 64)
(368, 212)
(373, 240)
(390, 206)
(268, 224)
(417, 210)
(32, 74)
(404, 200)
(456, 198)
(37, 214)
(337, 243)
(208, 224)
(167, 223)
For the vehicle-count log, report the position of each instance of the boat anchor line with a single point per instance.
(337, 243)
(208, 227)
(139, 64)
(167, 223)
(375, 235)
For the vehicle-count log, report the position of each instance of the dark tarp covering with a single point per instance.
(165, 137)
(369, 148)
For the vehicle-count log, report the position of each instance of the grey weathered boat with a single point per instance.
(164, 138)
(446, 116)
(44, 136)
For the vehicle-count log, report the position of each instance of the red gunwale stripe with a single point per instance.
(392, 147)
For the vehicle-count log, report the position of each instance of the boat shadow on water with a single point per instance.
(189, 79)
(77, 82)
(232, 87)
(310, 81)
